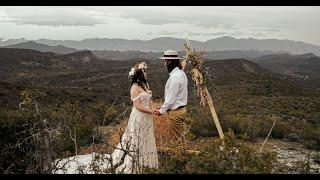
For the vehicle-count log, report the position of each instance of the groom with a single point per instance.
(176, 95)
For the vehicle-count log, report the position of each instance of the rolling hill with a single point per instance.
(304, 68)
(59, 49)
(26, 62)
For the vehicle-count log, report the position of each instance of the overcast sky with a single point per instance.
(146, 22)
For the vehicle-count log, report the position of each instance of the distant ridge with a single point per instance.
(59, 49)
(162, 43)
(209, 55)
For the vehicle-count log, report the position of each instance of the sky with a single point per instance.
(298, 23)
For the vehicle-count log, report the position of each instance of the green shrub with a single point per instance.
(17, 145)
(234, 158)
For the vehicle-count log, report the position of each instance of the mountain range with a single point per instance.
(304, 68)
(210, 55)
(34, 67)
(163, 43)
(130, 54)
(26, 63)
(59, 49)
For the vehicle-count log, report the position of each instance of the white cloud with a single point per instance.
(134, 22)
(55, 16)
(165, 32)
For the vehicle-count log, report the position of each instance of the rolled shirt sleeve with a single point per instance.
(170, 94)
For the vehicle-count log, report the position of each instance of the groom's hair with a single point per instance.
(139, 78)
(173, 64)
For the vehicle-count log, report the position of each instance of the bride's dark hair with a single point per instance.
(139, 79)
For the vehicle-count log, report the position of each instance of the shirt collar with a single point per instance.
(173, 70)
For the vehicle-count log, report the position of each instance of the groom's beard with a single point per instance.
(173, 64)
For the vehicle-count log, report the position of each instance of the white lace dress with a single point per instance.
(138, 139)
(139, 135)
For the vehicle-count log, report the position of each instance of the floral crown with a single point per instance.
(142, 65)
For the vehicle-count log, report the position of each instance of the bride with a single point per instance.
(139, 134)
(137, 148)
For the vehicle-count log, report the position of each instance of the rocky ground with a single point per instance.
(293, 157)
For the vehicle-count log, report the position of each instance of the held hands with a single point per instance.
(156, 112)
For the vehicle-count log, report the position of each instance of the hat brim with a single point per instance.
(171, 58)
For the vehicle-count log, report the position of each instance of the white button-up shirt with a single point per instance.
(176, 90)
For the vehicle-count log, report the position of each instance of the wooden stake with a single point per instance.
(213, 113)
(274, 122)
(204, 93)
(207, 99)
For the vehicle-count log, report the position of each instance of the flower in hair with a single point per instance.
(131, 73)
(142, 65)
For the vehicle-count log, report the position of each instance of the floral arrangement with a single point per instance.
(142, 65)
(197, 70)
(197, 73)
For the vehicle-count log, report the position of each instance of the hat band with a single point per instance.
(170, 56)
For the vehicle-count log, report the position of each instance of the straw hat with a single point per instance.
(170, 54)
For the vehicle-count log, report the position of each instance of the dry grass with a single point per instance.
(162, 132)
(113, 133)
(114, 138)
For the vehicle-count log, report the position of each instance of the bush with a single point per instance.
(234, 158)
(308, 134)
(17, 154)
